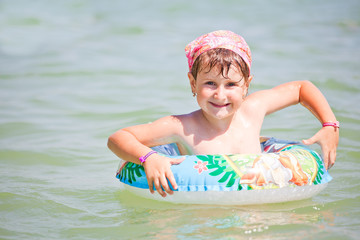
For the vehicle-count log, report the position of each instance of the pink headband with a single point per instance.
(218, 39)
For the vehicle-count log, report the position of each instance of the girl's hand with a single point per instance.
(158, 172)
(328, 139)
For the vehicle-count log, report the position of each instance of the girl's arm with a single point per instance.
(134, 142)
(308, 95)
(327, 137)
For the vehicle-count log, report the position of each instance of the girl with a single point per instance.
(228, 120)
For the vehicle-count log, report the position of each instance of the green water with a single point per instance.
(72, 72)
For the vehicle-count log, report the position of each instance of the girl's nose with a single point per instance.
(220, 92)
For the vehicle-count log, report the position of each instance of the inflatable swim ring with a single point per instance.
(284, 171)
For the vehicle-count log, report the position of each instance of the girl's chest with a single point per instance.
(230, 142)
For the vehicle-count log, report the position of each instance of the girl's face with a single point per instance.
(217, 96)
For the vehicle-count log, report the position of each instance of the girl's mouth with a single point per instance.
(219, 105)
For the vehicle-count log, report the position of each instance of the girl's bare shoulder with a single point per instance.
(188, 121)
(188, 118)
(176, 122)
(254, 103)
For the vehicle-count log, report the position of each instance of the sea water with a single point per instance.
(73, 72)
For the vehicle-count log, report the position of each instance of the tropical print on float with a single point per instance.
(281, 164)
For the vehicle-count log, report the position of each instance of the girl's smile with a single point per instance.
(219, 106)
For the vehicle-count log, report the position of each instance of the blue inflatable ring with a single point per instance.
(284, 171)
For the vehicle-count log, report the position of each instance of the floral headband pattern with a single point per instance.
(218, 39)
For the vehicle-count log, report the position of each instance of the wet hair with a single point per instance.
(221, 58)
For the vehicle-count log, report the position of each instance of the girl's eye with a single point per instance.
(232, 84)
(210, 83)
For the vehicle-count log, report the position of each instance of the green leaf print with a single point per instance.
(205, 158)
(130, 171)
(321, 168)
(137, 172)
(225, 177)
(220, 168)
(232, 179)
(218, 171)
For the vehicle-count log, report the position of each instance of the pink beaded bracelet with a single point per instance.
(332, 124)
(143, 158)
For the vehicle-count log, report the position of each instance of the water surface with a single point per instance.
(73, 72)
